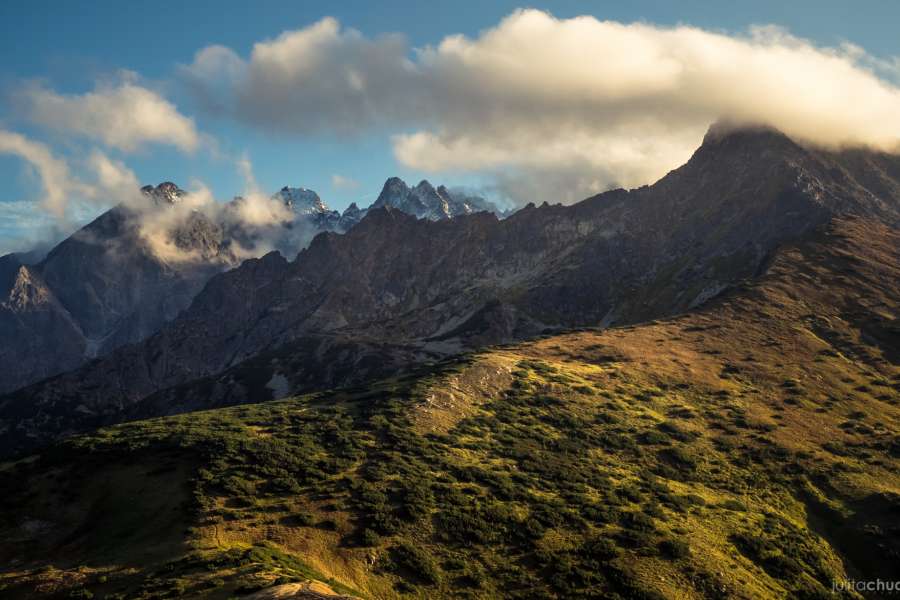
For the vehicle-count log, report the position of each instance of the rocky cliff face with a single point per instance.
(27, 306)
(428, 288)
(164, 193)
(104, 286)
(117, 288)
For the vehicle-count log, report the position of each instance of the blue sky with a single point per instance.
(68, 47)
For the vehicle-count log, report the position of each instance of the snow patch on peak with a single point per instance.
(302, 200)
(424, 201)
(165, 193)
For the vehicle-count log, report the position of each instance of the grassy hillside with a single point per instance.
(749, 450)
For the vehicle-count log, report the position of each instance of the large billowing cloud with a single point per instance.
(315, 80)
(539, 99)
(122, 115)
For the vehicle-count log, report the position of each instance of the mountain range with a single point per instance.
(687, 390)
(395, 291)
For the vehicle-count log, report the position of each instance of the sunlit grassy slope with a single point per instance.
(749, 450)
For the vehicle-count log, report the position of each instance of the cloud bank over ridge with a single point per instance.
(599, 103)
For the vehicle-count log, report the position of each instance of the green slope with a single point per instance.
(749, 450)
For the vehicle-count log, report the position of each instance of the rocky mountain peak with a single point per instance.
(302, 200)
(759, 158)
(424, 201)
(164, 193)
(393, 185)
(394, 191)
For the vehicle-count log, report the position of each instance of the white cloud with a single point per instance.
(114, 180)
(255, 208)
(76, 189)
(255, 220)
(312, 80)
(212, 76)
(124, 115)
(92, 181)
(156, 225)
(52, 171)
(340, 182)
(259, 210)
(537, 97)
